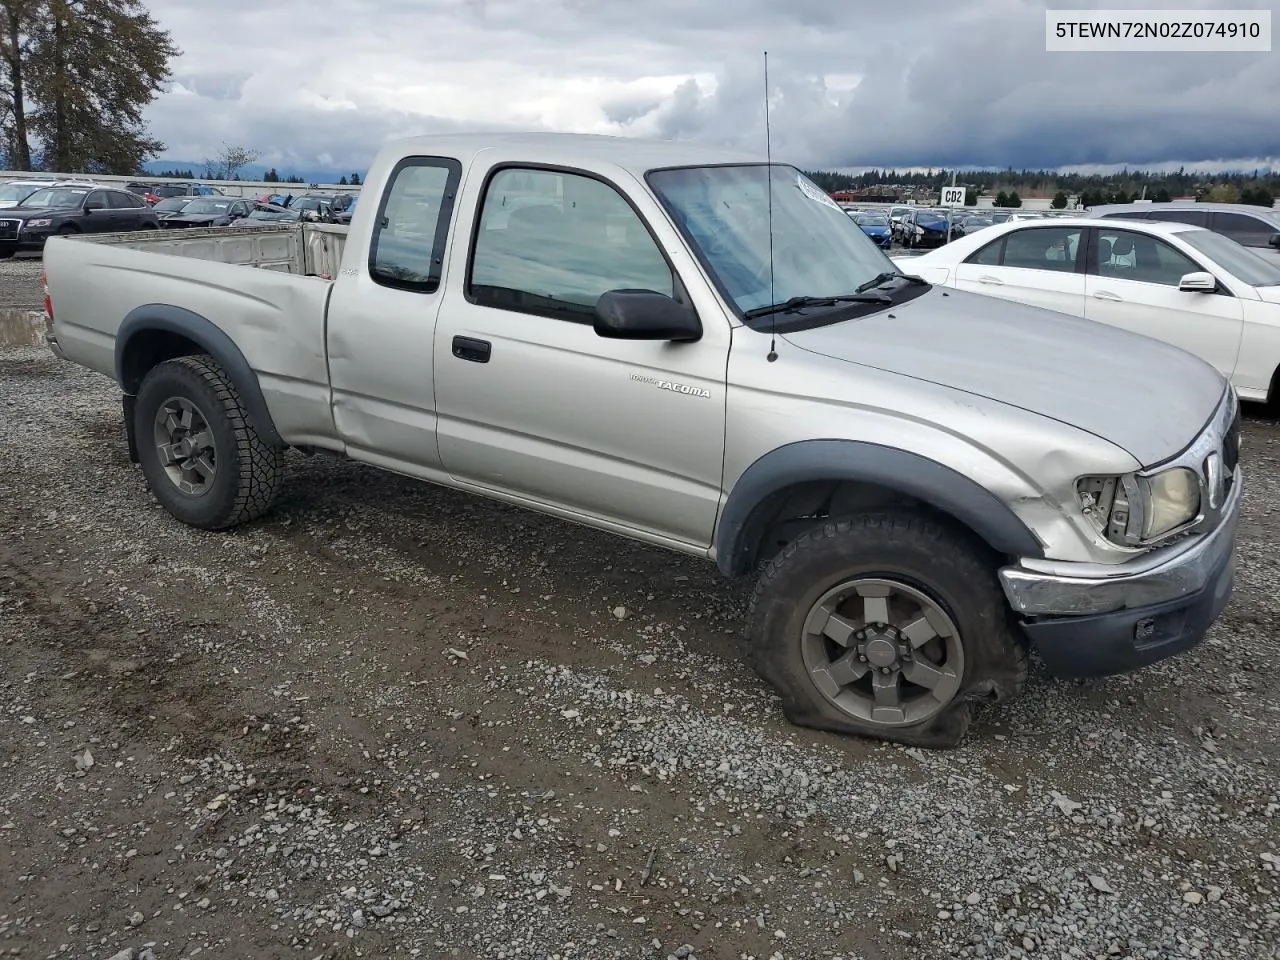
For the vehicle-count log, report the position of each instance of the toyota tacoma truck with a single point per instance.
(701, 351)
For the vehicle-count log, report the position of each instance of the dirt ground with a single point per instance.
(393, 720)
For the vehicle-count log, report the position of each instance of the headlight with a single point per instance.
(1172, 499)
(39, 223)
(1134, 510)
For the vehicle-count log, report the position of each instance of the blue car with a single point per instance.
(875, 226)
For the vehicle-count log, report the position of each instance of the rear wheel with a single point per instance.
(889, 625)
(203, 460)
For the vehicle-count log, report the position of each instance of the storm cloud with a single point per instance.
(908, 83)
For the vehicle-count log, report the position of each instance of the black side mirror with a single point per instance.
(645, 315)
(1275, 240)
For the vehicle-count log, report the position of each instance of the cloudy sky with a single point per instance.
(318, 86)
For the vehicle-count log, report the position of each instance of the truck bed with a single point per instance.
(304, 249)
(265, 288)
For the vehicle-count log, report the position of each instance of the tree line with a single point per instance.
(1256, 187)
(75, 76)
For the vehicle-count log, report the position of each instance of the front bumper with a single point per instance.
(1093, 619)
(26, 243)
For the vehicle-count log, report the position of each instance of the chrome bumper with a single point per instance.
(1081, 589)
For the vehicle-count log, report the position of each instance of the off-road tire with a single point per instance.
(248, 469)
(940, 560)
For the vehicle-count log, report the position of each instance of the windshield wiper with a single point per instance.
(799, 303)
(890, 275)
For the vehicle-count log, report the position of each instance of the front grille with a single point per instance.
(9, 229)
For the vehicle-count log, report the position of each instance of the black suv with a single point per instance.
(71, 210)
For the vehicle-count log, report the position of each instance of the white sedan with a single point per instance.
(1188, 286)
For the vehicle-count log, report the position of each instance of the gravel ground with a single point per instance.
(394, 720)
(20, 281)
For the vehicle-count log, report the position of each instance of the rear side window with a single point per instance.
(1124, 255)
(412, 224)
(1197, 218)
(119, 200)
(1243, 229)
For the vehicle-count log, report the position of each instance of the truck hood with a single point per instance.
(1146, 397)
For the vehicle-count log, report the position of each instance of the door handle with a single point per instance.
(989, 279)
(467, 348)
(1107, 295)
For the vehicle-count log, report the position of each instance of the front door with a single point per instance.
(533, 404)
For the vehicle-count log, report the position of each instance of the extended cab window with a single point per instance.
(550, 243)
(409, 233)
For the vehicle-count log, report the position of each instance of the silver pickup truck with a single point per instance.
(703, 352)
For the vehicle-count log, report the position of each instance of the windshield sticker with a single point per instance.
(813, 192)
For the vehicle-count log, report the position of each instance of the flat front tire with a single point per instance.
(202, 458)
(888, 625)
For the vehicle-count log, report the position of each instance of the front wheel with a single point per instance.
(202, 458)
(888, 625)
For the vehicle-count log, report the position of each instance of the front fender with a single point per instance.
(901, 471)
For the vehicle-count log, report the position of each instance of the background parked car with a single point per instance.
(967, 226)
(344, 216)
(1196, 289)
(52, 210)
(209, 212)
(875, 226)
(1249, 226)
(14, 192)
(313, 207)
(269, 215)
(170, 206)
(182, 189)
(923, 227)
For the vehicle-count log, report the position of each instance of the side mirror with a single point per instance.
(91, 207)
(645, 315)
(1198, 283)
(1275, 240)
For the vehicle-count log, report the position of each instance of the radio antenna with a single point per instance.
(768, 190)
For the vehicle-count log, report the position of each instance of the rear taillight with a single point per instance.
(48, 304)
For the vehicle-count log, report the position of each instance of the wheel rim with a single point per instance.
(883, 652)
(185, 446)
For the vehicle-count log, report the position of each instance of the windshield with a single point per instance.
(307, 203)
(207, 206)
(171, 204)
(871, 220)
(1237, 260)
(13, 193)
(55, 197)
(818, 251)
(274, 215)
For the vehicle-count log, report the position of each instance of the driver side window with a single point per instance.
(551, 243)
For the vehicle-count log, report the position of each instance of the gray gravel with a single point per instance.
(20, 282)
(392, 720)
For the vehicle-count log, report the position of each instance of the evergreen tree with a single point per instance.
(89, 68)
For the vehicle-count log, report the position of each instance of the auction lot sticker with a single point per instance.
(1170, 31)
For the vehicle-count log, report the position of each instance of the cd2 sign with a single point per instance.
(953, 196)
